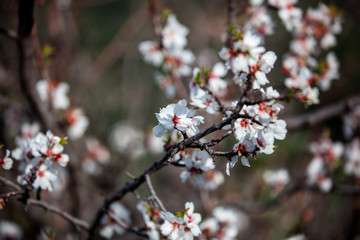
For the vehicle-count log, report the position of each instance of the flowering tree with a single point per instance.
(218, 112)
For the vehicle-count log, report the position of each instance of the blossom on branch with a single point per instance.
(117, 213)
(179, 117)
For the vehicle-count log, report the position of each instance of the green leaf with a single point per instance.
(180, 214)
(63, 140)
(197, 79)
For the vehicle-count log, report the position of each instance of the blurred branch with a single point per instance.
(127, 227)
(6, 182)
(39, 57)
(292, 189)
(318, 116)
(231, 16)
(26, 73)
(116, 47)
(77, 222)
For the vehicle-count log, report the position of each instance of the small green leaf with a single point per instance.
(197, 79)
(63, 140)
(47, 50)
(165, 13)
(180, 214)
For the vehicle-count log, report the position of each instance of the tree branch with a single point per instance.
(77, 222)
(10, 183)
(318, 116)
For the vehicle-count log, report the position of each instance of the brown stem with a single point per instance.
(76, 221)
(318, 116)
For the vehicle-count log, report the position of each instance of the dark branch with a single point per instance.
(77, 222)
(318, 116)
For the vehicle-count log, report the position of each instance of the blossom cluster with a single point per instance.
(313, 34)
(169, 56)
(184, 225)
(225, 224)
(117, 213)
(325, 160)
(177, 116)
(37, 153)
(257, 132)
(248, 60)
(56, 94)
(203, 90)
(201, 168)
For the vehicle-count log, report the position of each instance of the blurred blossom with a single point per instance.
(95, 154)
(78, 123)
(10, 230)
(117, 212)
(352, 122)
(127, 140)
(352, 154)
(276, 179)
(225, 224)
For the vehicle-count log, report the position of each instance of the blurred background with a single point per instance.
(94, 48)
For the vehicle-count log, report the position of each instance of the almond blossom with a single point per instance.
(117, 212)
(45, 177)
(95, 154)
(351, 122)
(184, 226)
(326, 154)
(199, 163)
(225, 224)
(179, 117)
(171, 59)
(54, 92)
(352, 154)
(6, 162)
(174, 33)
(78, 123)
(276, 179)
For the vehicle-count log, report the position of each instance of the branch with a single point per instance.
(127, 227)
(153, 193)
(292, 189)
(318, 116)
(129, 187)
(9, 183)
(116, 48)
(76, 221)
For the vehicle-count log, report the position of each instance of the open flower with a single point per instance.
(179, 117)
(6, 162)
(199, 163)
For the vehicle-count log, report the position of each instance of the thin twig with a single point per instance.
(153, 193)
(76, 221)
